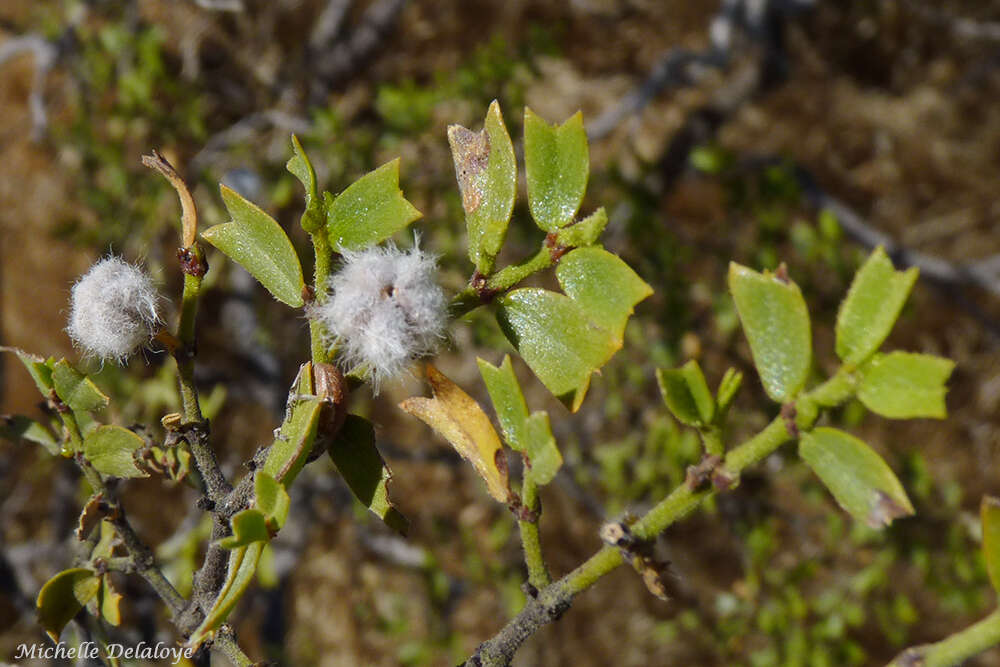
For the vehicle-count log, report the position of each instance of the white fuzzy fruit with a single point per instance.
(384, 310)
(114, 309)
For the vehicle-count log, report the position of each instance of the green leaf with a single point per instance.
(557, 163)
(75, 389)
(249, 526)
(272, 499)
(300, 167)
(529, 434)
(487, 178)
(990, 512)
(565, 339)
(242, 566)
(605, 287)
(295, 440)
(362, 467)
(16, 427)
(111, 449)
(255, 241)
(369, 211)
(728, 386)
(686, 394)
(776, 323)
(109, 601)
(552, 334)
(871, 307)
(63, 596)
(903, 385)
(40, 369)
(860, 481)
(585, 232)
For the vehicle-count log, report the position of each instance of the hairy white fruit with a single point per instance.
(384, 309)
(114, 309)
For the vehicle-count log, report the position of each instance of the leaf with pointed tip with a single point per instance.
(249, 526)
(297, 435)
(75, 389)
(300, 167)
(487, 178)
(111, 450)
(255, 241)
(903, 385)
(239, 575)
(39, 368)
(458, 419)
(16, 427)
(686, 394)
(557, 164)
(859, 479)
(989, 511)
(871, 307)
(728, 386)
(63, 596)
(357, 458)
(529, 434)
(565, 339)
(776, 323)
(369, 211)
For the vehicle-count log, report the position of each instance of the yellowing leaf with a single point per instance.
(459, 420)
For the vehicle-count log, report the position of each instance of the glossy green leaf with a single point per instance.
(728, 387)
(564, 339)
(686, 394)
(271, 498)
(255, 241)
(242, 566)
(249, 526)
(300, 167)
(75, 389)
(487, 178)
(361, 465)
(903, 385)
(605, 287)
(776, 323)
(111, 449)
(860, 481)
(989, 511)
(585, 232)
(529, 434)
(298, 432)
(63, 596)
(871, 307)
(16, 427)
(369, 211)
(40, 369)
(557, 164)
(557, 340)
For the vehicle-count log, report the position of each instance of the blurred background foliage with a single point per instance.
(888, 106)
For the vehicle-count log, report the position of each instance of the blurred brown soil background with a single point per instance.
(889, 105)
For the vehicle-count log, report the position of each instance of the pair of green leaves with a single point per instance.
(688, 398)
(896, 385)
(369, 211)
(110, 449)
(776, 322)
(67, 593)
(557, 165)
(565, 338)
